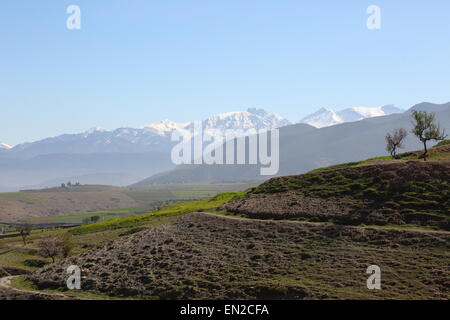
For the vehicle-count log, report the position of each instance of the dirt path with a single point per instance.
(19, 294)
(322, 224)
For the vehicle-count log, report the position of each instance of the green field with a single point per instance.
(77, 218)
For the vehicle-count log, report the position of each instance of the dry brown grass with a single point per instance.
(204, 256)
(16, 206)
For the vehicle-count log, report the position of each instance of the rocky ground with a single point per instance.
(207, 256)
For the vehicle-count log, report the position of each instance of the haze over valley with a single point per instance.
(128, 155)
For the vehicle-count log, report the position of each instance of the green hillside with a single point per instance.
(294, 237)
(378, 191)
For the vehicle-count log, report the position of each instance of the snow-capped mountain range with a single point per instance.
(326, 117)
(133, 154)
(4, 146)
(148, 138)
(253, 118)
(156, 137)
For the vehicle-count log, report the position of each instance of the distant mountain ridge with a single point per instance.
(155, 137)
(326, 117)
(253, 118)
(304, 148)
(133, 154)
(118, 157)
(430, 107)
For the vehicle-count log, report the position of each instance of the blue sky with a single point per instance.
(140, 61)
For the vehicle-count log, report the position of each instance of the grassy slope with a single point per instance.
(415, 262)
(204, 256)
(379, 191)
(15, 257)
(443, 143)
(169, 210)
(440, 151)
(14, 254)
(256, 259)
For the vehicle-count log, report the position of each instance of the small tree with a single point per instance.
(51, 247)
(85, 221)
(426, 129)
(24, 230)
(95, 219)
(394, 141)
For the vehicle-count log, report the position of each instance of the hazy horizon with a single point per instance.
(136, 63)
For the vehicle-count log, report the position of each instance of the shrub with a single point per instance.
(34, 263)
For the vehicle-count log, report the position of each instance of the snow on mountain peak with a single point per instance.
(5, 146)
(325, 109)
(257, 111)
(94, 130)
(157, 136)
(275, 118)
(164, 127)
(326, 117)
(253, 118)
